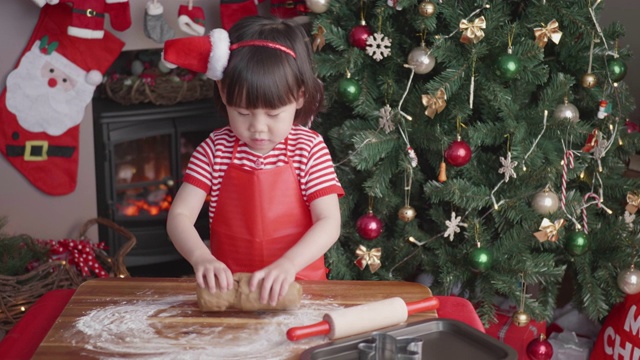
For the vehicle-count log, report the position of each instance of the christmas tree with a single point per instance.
(483, 143)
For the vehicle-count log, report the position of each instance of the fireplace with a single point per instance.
(141, 154)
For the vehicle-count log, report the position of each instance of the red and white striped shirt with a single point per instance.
(308, 152)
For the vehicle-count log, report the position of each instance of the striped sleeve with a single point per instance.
(319, 177)
(200, 168)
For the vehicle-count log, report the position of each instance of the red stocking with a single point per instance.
(119, 14)
(286, 9)
(233, 10)
(45, 98)
(191, 19)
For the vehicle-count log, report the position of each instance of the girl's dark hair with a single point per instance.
(262, 77)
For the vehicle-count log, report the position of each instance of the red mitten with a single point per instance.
(119, 14)
(45, 98)
(191, 19)
(233, 10)
(286, 9)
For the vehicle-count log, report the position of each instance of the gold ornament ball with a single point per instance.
(407, 213)
(520, 318)
(427, 8)
(589, 80)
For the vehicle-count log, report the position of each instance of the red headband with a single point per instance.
(265, 43)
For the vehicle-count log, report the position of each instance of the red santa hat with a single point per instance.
(209, 54)
(204, 54)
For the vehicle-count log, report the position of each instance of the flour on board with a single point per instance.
(140, 329)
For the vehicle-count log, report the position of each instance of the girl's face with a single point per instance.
(262, 129)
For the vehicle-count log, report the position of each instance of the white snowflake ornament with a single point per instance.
(629, 218)
(453, 226)
(378, 46)
(385, 121)
(507, 167)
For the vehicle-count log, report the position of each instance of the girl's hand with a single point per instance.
(276, 279)
(207, 269)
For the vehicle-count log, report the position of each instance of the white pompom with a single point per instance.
(94, 77)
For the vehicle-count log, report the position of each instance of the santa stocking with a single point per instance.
(87, 19)
(233, 10)
(45, 97)
(191, 19)
(155, 26)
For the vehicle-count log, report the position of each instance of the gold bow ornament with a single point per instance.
(318, 39)
(549, 230)
(472, 32)
(633, 202)
(434, 104)
(551, 31)
(371, 258)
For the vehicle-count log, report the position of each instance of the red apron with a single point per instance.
(259, 216)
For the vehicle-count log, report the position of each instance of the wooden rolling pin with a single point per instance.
(363, 318)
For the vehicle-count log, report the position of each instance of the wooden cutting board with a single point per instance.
(158, 318)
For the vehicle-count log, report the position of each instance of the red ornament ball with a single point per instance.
(540, 349)
(369, 226)
(458, 153)
(358, 36)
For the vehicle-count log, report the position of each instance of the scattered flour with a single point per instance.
(139, 329)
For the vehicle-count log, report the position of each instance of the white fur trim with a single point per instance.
(189, 26)
(219, 56)
(40, 3)
(94, 77)
(85, 33)
(154, 8)
(166, 63)
(115, 1)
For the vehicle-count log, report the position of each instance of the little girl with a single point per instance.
(273, 208)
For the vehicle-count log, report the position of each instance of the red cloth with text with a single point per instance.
(518, 337)
(45, 98)
(619, 337)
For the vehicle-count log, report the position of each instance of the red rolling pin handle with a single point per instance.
(323, 327)
(428, 304)
(302, 332)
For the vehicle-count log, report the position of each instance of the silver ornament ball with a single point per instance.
(318, 6)
(545, 202)
(137, 67)
(421, 60)
(566, 111)
(629, 281)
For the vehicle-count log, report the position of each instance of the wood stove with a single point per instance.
(141, 154)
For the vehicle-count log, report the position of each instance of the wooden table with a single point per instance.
(158, 318)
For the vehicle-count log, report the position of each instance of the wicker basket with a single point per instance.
(165, 90)
(18, 293)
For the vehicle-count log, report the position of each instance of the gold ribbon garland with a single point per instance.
(434, 104)
(551, 31)
(472, 32)
(371, 258)
(633, 202)
(549, 230)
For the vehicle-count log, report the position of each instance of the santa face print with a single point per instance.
(47, 93)
(55, 77)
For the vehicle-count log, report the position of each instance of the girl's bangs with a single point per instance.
(267, 84)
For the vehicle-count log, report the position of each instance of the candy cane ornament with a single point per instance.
(567, 162)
